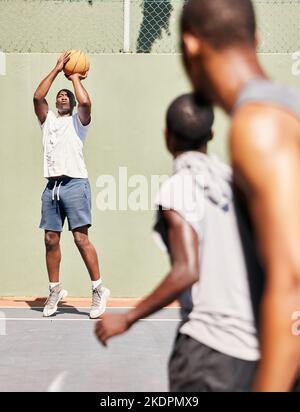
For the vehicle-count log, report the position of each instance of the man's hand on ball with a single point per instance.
(64, 58)
(77, 76)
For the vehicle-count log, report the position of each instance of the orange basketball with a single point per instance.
(79, 63)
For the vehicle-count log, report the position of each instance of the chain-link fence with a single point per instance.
(136, 26)
(278, 25)
(47, 26)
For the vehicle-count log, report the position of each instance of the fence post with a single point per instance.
(126, 36)
(2, 64)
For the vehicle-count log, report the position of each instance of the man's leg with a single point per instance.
(89, 255)
(53, 258)
(53, 254)
(76, 196)
(87, 251)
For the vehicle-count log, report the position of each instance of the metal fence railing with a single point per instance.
(130, 26)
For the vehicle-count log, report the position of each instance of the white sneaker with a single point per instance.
(56, 294)
(100, 297)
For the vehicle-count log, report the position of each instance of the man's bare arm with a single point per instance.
(39, 98)
(184, 250)
(84, 102)
(266, 159)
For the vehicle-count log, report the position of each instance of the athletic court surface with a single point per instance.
(61, 353)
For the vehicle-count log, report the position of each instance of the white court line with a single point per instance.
(68, 307)
(56, 384)
(83, 320)
(75, 307)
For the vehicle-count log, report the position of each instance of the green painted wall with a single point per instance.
(130, 94)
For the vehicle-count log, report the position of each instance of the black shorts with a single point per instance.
(194, 367)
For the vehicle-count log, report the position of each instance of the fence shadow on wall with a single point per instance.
(156, 18)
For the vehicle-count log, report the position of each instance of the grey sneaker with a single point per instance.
(56, 294)
(100, 297)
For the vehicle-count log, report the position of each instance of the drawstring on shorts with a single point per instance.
(58, 188)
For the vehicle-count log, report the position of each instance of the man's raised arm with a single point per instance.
(39, 98)
(84, 102)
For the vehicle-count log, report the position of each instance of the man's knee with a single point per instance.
(81, 240)
(51, 240)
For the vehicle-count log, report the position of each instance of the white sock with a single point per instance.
(53, 284)
(96, 283)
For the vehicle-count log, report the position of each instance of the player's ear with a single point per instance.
(192, 45)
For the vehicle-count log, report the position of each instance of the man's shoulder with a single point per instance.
(252, 111)
(77, 120)
(260, 126)
(49, 117)
(255, 117)
(171, 184)
(179, 191)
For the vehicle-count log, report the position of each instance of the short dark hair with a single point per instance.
(223, 23)
(70, 96)
(189, 121)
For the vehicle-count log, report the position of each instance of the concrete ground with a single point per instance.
(61, 353)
